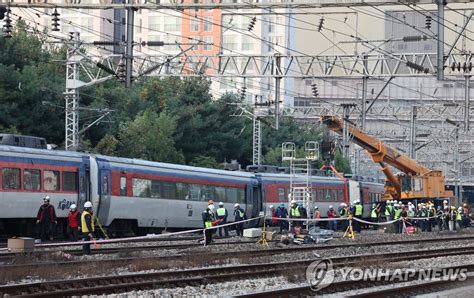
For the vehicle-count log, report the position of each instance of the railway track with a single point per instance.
(371, 288)
(179, 278)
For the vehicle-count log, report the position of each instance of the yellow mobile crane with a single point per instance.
(415, 181)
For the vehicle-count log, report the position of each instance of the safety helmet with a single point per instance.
(46, 198)
(330, 206)
(460, 208)
(221, 204)
(374, 205)
(395, 205)
(73, 206)
(464, 205)
(211, 207)
(271, 206)
(342, 205)
(293, 202)
(445, 202)
(356, 201)
(87, 204)
(316, 207)
(409, 203)
(453, 208)
(236, 205)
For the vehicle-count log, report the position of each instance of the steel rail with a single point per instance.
(114, 284)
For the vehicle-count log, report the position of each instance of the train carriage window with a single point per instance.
(69, 181)
(240, 196)
(141, 187)
(51, 180)
(155, 189)
(314, 194)
(281, 195)
(334, 195)
(31, 179)
(105, 185)
(220, 194)
(328, 195)
(321, 195)
(207, 193)
(232, 195)
(183, 192)
(123, 186)
(341, 195)
(11, 178)
(195, 191)
(168, 190)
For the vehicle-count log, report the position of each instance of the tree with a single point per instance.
(107, 145)
(341, 164)
(206, 162)
(149, 137)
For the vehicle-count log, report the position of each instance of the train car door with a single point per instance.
(84, 183)
(104, 194)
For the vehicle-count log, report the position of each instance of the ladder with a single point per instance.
(300, 173)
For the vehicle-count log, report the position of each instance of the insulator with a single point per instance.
(155, 43)
(428, 22)
(314, 87)
(7, 27)
(320, 26)
(252, 23)
(415, 66)
(55, 20)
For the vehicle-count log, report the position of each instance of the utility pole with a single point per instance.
(129, 49)
(467, 101)
(257, 140)
(277, 73)
(440, 43)
(412, 144)
(345, 136)
(365, 78)
(72, 93)
(456, 164)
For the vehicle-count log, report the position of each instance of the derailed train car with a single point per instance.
(143, 196)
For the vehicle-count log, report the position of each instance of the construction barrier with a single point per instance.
(148, 237)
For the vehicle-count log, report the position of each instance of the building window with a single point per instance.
(247, 43)
(154, 23)
(51, 180)
(230, 42)
(69, 181)
(208, 40)
(194, 25)
(172, 24)
(207, 24)
(11, 178)
(171, 43)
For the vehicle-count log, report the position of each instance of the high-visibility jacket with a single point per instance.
(343, 212)
(84, 227)
(358, 210)
(388, 210)
(411, 213)
(295, 212)
(373, 213)
(458, 215)
(398, 212)
(220, 211)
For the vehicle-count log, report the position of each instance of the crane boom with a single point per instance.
(416, 182)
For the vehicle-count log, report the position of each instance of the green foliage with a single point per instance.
(149, 137)
(206, 162)
(107, 145)
(342, 164)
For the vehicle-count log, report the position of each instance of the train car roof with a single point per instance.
(169, 166)
(44, 152)
(287, 176)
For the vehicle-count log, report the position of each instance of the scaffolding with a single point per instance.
(300, 189)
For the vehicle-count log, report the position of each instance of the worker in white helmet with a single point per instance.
(316, 216)
(389, 211)
(221, 214)
(87, 227)
(332, 218)
(239, 215)
(73, 220)
(295, 213)
(358, 212)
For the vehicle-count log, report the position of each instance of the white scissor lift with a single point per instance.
(300, 173)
